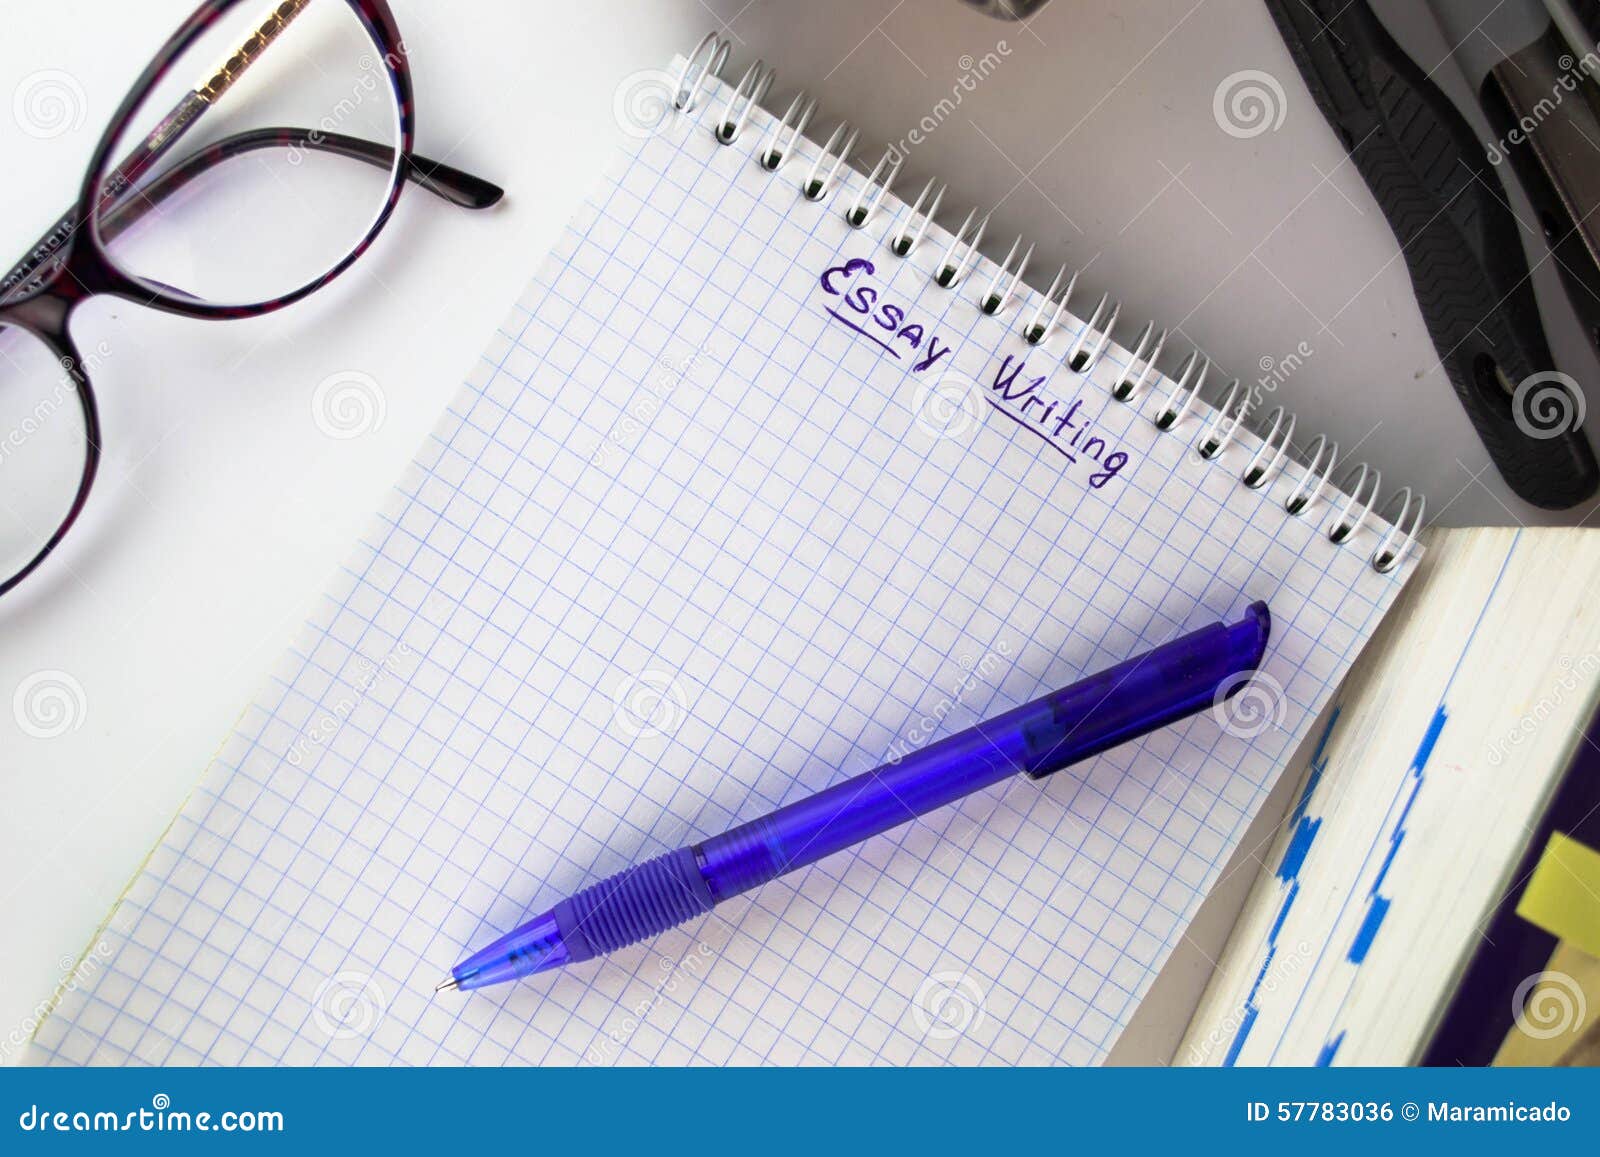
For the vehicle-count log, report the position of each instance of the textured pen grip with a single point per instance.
(633, 905)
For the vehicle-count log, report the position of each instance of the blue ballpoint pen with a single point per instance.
(1149, 691)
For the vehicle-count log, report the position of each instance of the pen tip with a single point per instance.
(450, 983)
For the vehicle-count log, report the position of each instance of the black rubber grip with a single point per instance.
(1447, 207)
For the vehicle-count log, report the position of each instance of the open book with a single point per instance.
(1423, 813)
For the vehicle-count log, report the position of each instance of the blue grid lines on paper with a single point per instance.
(500, 564)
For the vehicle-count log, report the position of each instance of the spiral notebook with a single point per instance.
(738, 501)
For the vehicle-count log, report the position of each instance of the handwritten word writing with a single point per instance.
(1062, 424)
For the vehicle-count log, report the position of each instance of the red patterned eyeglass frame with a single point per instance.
(68, 265)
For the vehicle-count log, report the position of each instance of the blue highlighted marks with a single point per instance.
(1249, 1019)
(1429, 738)
(1295, 854)
(1378, 904)
(1294, 858)
(1368, 929)
(1325, 1057)
(1319, 765)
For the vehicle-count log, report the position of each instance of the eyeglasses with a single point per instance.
(294, 151)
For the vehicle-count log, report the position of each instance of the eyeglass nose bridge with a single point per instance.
(45, 310)
(62, 271)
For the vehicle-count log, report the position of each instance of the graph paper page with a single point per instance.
(699, 536)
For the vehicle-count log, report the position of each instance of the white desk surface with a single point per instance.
(222, 509)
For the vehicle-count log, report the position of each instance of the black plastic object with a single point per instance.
(1558, 217)
(1448, 210)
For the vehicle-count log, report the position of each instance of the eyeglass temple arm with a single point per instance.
(121, 183)
(195, 103)
(446, 181)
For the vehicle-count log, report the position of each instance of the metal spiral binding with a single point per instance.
(1389, 555)
(1146, 352)
(843, 138)
(994, 299)
(1188, 383)
(1256, 475)
(1352, 484)
(1224, 422)
(794, 124)
(1304, 494)
(902, 245)
(1082, 356)
(1360, 484)
(960, 252)
(704, 62)
(750, 90)
(1038, 331)
(858, 214)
